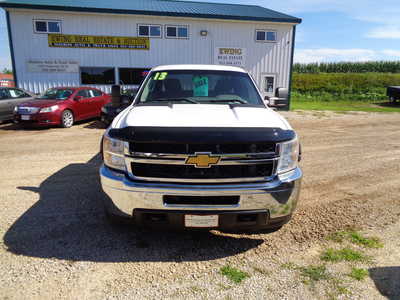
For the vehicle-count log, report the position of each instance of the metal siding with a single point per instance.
(261, 57)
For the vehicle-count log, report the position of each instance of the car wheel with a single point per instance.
(67, 119)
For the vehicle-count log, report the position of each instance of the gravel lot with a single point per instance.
(56, 242)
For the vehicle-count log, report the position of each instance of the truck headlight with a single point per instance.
(113, 153)
(289, 156)
(49, 109)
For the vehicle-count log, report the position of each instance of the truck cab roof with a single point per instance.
(198, 67)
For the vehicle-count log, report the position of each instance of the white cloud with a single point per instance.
(391, 53)
(384, 32)
(385, 13)
(329, 54)
(5, 62)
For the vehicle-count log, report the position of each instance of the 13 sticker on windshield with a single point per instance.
(200, 86)
(160, 76)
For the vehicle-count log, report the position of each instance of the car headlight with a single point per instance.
(289, 156)
(15, 109)
(113, 153)
(49, 109)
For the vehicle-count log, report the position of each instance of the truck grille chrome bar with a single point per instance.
(174, 167)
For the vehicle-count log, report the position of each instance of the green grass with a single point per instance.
(235, 275)
(356, 238)
(345, 254)
(314, 273)
(342, 106)
(358, 274)
(372, 242)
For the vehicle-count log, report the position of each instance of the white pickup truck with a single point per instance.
(199, 148)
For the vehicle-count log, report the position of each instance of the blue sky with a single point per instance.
(332, 30)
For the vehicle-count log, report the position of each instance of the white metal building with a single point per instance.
(100, 43)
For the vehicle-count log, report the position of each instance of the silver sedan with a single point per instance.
(9, 98)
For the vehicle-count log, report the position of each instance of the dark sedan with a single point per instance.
(9, 98)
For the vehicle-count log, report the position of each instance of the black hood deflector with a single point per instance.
(201, 135)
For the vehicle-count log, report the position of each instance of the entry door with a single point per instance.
(268, 84)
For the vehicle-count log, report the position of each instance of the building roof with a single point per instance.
(173, 8)
(6, 76)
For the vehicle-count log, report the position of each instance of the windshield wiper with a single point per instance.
(227, 101)
(173, 100)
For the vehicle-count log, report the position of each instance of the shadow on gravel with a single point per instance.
(96, 124)
(388, 104)
(68, 223)
(12, 126)
(387, 281)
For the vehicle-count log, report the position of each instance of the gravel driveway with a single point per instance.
(56, 242)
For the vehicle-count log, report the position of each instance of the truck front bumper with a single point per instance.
(261, 204)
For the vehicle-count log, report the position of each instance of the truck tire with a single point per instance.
(67, 119)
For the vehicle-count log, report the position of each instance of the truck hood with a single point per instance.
(200, 115)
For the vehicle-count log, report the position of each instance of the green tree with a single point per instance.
(7, 71)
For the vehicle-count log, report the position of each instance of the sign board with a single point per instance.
(230, 56)
(99, 42)
(52, 66)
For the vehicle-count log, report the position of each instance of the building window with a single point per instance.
(96, 75)
(149, 30)
(132, 76)
(47, 26)
(266, 36)
(177, 32)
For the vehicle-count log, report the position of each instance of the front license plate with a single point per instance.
(25, 117)
(201, 221)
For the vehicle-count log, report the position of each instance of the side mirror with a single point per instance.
(78, 98)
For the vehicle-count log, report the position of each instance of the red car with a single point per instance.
(62, 106)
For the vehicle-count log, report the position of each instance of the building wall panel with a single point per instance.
(262, 58)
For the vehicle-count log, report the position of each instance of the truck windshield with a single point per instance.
(198, 86)
(56, 94)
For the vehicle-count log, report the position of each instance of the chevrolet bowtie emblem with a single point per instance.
(203, 160)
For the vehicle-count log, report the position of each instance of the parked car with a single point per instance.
(199, 148)
(62, 106)
(393, 92)
(111, 110)
(9, 98)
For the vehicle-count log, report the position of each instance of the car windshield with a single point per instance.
(198, 86)
(56, 94)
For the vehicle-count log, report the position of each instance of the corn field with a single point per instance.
(349, 67)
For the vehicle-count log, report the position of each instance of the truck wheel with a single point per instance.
(67, 119)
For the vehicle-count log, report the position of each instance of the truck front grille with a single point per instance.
(193, 148)
(190, 172)
(164, 162)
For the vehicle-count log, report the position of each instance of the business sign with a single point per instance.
(230, 56)
(52, 66)
(99, 42)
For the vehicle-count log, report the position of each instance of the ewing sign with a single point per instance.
(52, 66)
(230, 56)
(99, 42)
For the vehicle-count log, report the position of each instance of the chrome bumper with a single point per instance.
(279, 196)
